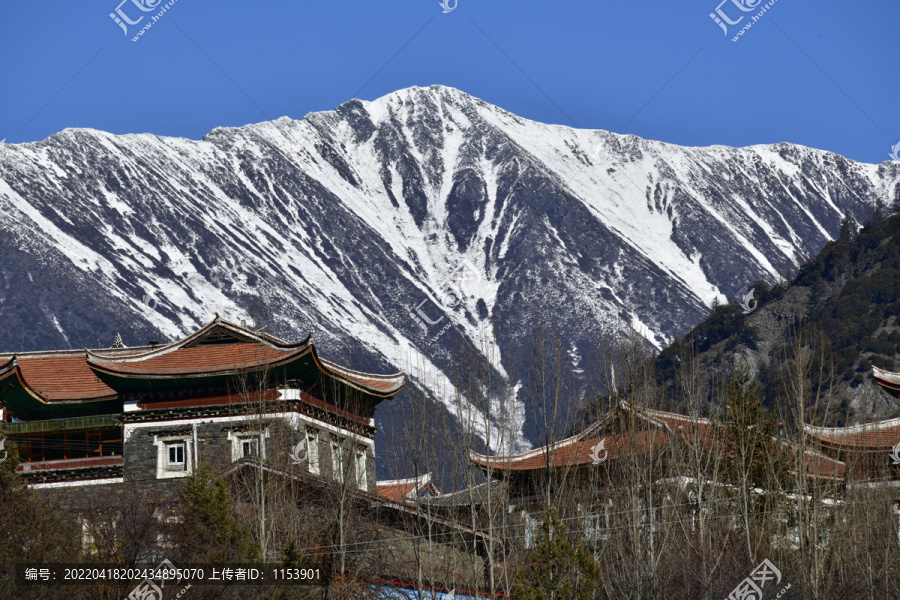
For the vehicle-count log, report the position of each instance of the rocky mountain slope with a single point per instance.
(400, 228)
(840, 309)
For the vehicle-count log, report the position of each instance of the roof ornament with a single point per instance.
(117, 343)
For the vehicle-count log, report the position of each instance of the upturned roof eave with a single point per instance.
(11, 369)
(334, 371)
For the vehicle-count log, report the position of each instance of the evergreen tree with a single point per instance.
(290, 555)
(211, 531)
(749, 434)
(878, 214)
(848, 227)
(555, 569)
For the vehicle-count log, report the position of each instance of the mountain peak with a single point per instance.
(415, 223)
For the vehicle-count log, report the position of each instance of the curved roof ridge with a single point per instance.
(642, 412)
(851, 429)
(425, 478)
(664, 414)
(277, 341)
(265, 339)
(9, 366)
(530, 453)
(357, 379)
(262, 336)
(67, 352)
(133, 368)
(889, 375)
(338, 368)
(586, 433)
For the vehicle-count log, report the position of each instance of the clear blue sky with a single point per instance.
(823, 74)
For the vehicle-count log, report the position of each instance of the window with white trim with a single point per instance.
(249, 447)
(175, 456)
(248, 444)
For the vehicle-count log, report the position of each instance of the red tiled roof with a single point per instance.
(386, 384)
(396, 492)
(61, 378)
(254, 350)
(198, 360)
(68, 375)
(692, 428)
(871, 437)
(581, 449)
(400, 490)
(819, 465)
(576, 452)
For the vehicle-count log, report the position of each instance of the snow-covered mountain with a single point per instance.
(395, 229)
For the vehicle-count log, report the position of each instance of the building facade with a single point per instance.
(148, 416)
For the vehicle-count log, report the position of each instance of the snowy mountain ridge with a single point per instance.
(399, 228)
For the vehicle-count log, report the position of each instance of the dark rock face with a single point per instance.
(357, 222)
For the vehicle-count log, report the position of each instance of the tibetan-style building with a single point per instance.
(625, 432)
(150, 414)
(128, 425)
(602, 443)
(868, 449)
(586, 470)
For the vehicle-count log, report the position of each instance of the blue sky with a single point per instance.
(823, 74)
